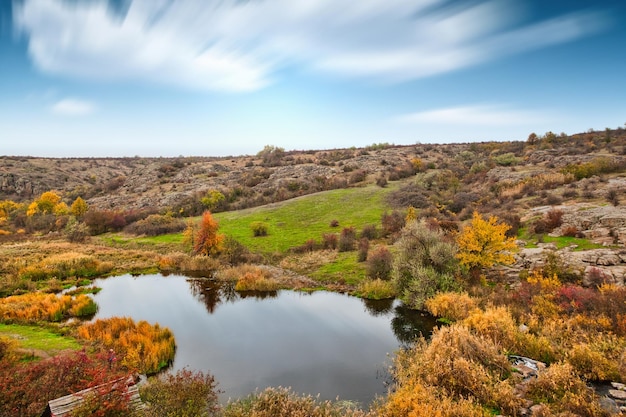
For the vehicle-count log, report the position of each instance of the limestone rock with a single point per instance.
(617, 394)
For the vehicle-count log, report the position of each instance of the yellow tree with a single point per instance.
(45, 204)
(483, 243)
(79, 207)
(207, 241)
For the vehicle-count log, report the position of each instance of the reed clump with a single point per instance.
(36, 307)
(141, 346)
(65, 265)
(251, 278)
(285, 403)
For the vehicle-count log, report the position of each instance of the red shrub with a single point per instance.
(576, 299)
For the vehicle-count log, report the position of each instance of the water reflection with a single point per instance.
(409, 325)
(322, 342)
(213, 293)
(378, 307)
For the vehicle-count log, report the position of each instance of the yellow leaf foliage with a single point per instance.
(28, 308)
(483, 243)
(79, 207)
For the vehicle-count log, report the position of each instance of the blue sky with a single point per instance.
(227, 77)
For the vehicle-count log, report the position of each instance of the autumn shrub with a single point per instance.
(347, 239)
(363, 249)
(462, 200)
(392, 223)
(108, 400)
(34, 307)
(562, 390)
(283, 402)
(234, 252)
(257, 279)
(575, 299)
(102, 221)
(184, 393)
(357, 176)
(156, 224)
(194, 264)
(591, 363)
(417, 399)
(570, 231)
(8, 348)
(27, 387)
(329, 241)
(309, 246)
(411, 194)
(259, 228)
(140, 346)
(65, 265)
(460, 364)
(75, 231)
(369, 231)
(451, 306)
(380, 263)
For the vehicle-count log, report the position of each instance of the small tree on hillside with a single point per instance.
(79, 208)
(207, 240)
(483, 243)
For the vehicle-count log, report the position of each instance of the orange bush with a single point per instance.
(44, 307)
(141, 346)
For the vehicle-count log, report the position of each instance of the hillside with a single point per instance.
(275, 175)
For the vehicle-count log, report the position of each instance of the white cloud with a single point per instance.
(235, 45)
(476, 115)
(73, 107)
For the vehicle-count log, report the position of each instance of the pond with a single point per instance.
(316, 343)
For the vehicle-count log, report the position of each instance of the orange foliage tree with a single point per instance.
(207, 240)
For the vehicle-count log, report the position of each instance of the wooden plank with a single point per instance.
(62, 406)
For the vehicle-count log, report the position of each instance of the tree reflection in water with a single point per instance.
(378, 307)
(213, 293)
(408, 324)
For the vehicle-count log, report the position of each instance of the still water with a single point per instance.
(320, 343)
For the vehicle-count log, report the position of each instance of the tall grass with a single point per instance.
(69, 264)
(141, 346)
(34, 307)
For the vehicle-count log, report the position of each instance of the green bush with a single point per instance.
(424, 265)
(259, 228)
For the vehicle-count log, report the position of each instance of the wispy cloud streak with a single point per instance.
(234, 45)
(73, 107)
(475, 115)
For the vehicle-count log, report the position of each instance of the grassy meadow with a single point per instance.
(293, 222)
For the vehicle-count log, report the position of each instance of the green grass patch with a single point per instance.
(117, 239)
(565, 241)
(39, 338)
(344, 269)
(291, 223)
(560, 241)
